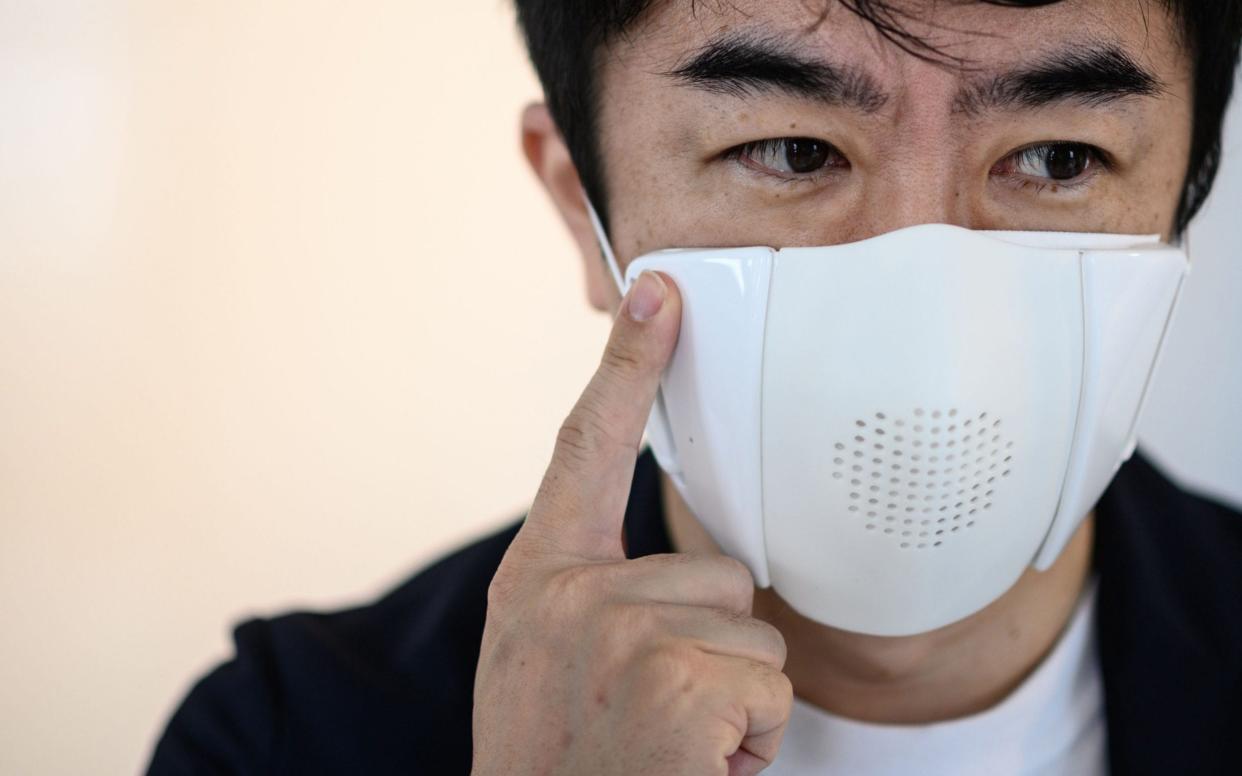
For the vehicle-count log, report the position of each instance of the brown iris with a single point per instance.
(804, 154)
(1065, 161)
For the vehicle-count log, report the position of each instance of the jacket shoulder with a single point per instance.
(382, 688)
(1170, 625)
(1180, 553)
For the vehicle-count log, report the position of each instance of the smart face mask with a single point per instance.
(889, 432)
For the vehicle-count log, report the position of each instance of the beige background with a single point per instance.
(282, 316)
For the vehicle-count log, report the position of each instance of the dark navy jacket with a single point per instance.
(386, 688)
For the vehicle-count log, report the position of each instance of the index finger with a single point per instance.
(581, 502)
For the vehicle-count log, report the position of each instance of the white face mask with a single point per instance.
(889, 432)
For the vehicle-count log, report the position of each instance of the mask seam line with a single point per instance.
(1078, 411)
(763, 360)
(1151, 373)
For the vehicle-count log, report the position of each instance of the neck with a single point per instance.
(960, 669)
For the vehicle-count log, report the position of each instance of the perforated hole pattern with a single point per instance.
(922, 478)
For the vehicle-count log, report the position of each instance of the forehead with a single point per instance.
(974, 38)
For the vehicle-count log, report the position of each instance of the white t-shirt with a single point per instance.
(1053, 723)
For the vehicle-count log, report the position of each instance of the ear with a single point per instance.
(549, 157)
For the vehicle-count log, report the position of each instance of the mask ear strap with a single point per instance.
(605, 245)
(659, 434)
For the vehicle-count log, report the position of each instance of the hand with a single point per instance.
(592, 664)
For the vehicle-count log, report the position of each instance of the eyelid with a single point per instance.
(1098, 160)
(743, 152)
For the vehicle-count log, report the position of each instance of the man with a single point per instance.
(608, 634)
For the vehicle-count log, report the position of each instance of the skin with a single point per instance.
(919, 158)
(591, 663)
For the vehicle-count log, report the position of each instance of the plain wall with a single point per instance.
(283, 316)
(1192, 423)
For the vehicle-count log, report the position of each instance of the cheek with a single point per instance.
(1166, 180)
(692, 220)
(1148, 203)
(643, 224)
(655, 210)
(646, 204)
(662, 208)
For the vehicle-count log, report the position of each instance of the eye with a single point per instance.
(1057, 162)
(790, 157)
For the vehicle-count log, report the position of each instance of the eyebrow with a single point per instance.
(1092, 77)
(742, 66)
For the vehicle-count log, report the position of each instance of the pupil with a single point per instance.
(1066, 161)
(805, 155)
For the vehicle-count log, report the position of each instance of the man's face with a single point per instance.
(749, 123)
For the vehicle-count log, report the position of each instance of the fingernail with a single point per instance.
(646, 297)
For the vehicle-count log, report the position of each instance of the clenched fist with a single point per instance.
(593, 664)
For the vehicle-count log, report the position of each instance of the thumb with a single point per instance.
(581, 502)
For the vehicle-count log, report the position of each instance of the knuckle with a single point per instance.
(667, 563)
(501, 591)
(740, 584)
(586, 434)
(571, 588)
(672, 664)
(632, 620)
(776, 690)
(771, 678)
(541, 538)
(737, 570)
(558, 605)
(777, 647)
(618, 632)
(765, 638)
(783, 689)
(621, 359)
(575, 441)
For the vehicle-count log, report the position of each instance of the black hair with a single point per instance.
(563, 38)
